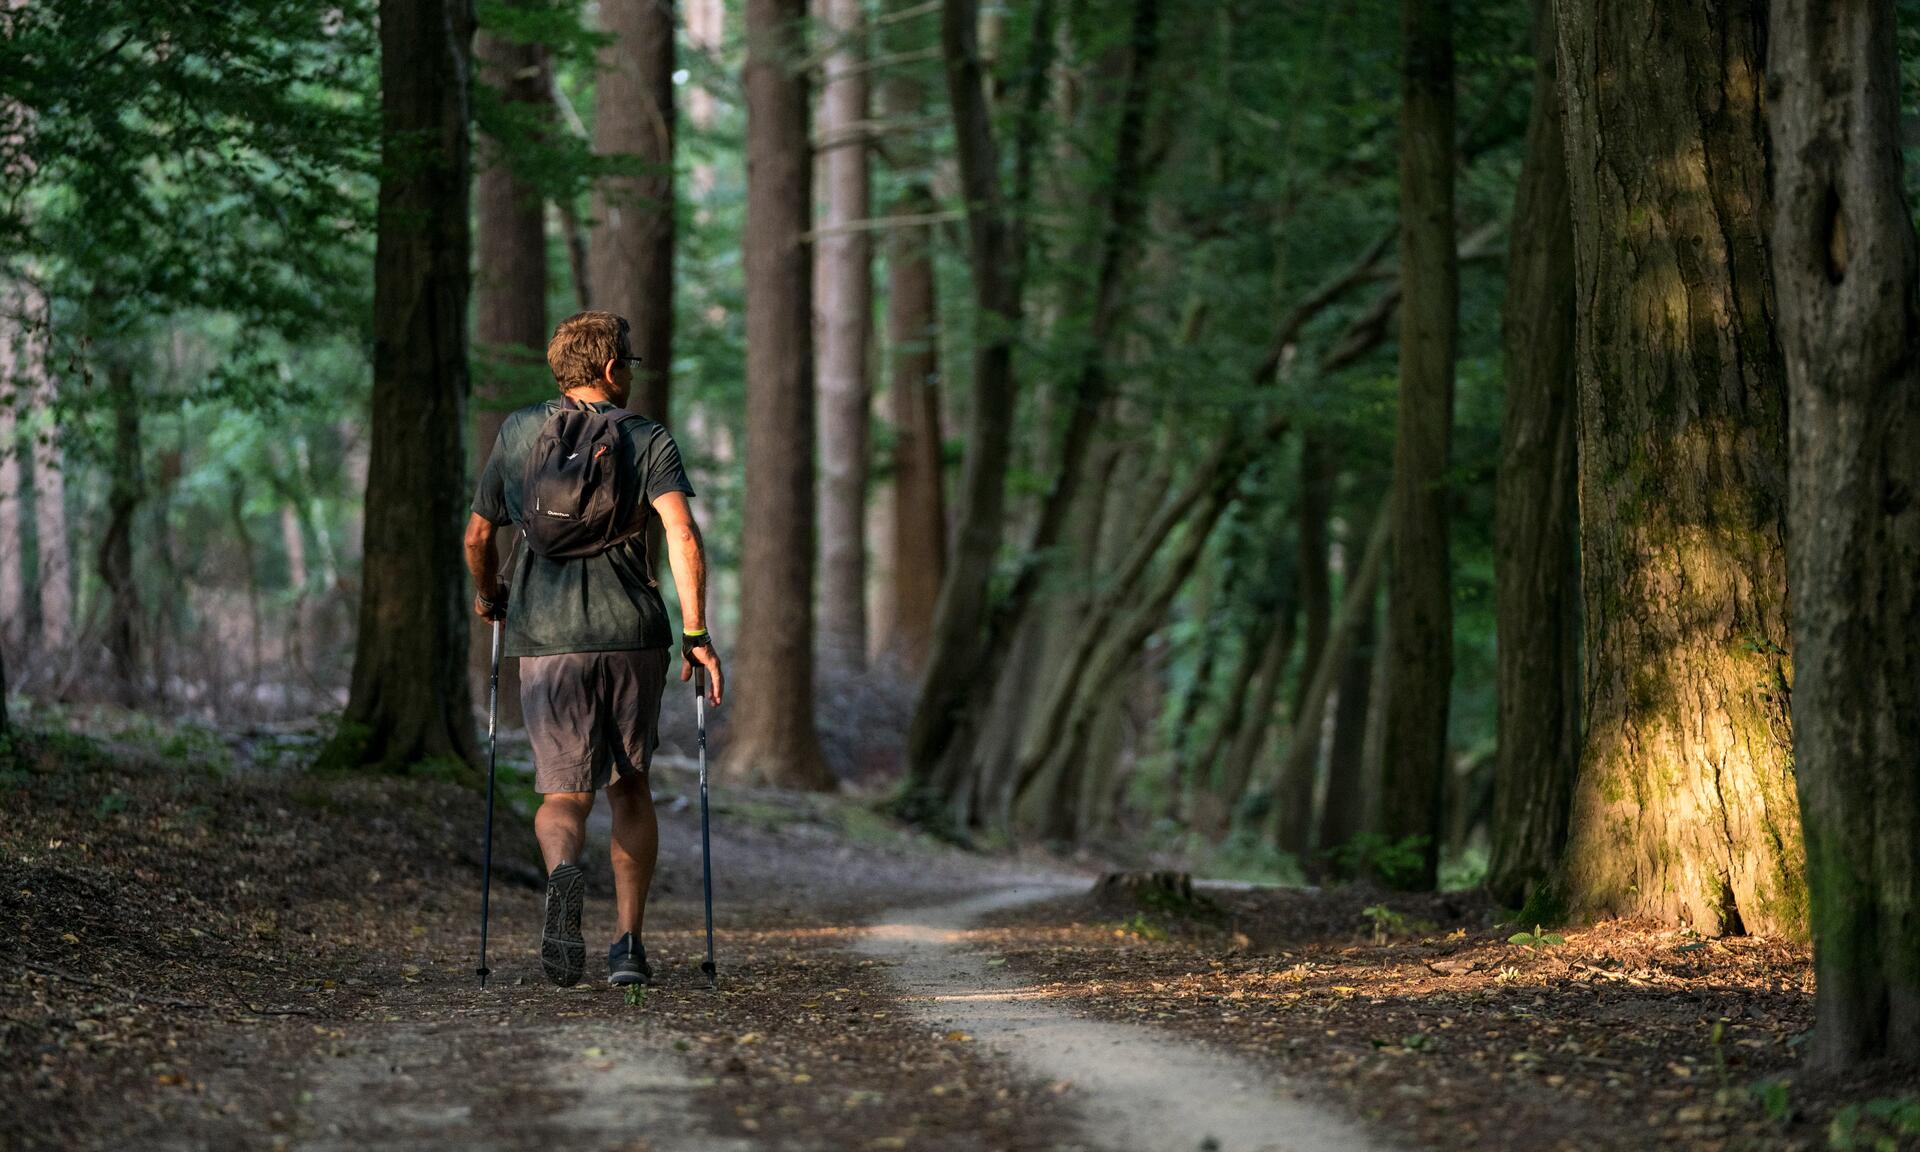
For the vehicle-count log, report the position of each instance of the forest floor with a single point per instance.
(211, 947)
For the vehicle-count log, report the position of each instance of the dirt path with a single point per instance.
(1136, 1088)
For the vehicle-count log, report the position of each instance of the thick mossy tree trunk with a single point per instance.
(774, 740)
(630, 257)
(843, 304)
(409, 702)
(1419, 594)
(510, 307)
(1536, 538)
(1684, 809)
(1848, 278)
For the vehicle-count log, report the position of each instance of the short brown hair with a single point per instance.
(582, 345)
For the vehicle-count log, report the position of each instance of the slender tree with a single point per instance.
(510, 300)
(114, 560)
(1536, 538)
(1848, 276)
(409, 700)
(843, 302)
(13, 574)
(1684, 808)
(918, 536)
(631, 250)
(774, 739)
(1419, 594)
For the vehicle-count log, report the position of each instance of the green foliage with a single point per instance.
(1537, 939)
(636, 996)
(1371, 853)
(1390, 925)
(1142, 926)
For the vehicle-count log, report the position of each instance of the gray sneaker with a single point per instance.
(563, 951)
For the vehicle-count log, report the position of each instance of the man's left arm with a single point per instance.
(483, 564)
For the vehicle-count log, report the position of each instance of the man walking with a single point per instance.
(587, 622)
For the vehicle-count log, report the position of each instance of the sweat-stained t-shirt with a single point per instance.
(604, 603)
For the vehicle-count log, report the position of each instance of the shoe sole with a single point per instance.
(563, 951)
(620, 978)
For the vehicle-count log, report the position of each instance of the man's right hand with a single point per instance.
(494, 608)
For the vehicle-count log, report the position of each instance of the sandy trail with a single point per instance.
(1136, 1089)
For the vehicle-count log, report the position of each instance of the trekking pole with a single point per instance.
(486, 866)
(706, 840)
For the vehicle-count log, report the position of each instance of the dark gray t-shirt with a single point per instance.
(604, 603)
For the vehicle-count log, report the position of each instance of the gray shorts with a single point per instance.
(590, 714)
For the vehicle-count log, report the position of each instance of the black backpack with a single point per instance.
(579, 487)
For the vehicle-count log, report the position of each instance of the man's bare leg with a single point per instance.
(636, 846)
(561, 826)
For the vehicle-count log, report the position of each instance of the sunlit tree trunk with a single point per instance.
(409, 702)
(1684, 807)
(631, 250)
(843, 304)
(1419, 595)
(774, 738)
(1536, 560)
(1848, 276)
(510, 308)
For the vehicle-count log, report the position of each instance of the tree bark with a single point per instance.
(843, 304)
(996, 257)
(630, 255)
(1292, 831)
(1312, 513)
(1342, 816)
(115, 559)
(774, 739)
(1848, 277)
(1684, 808)
(1536, 559)
(13, 574)
(409, 703)
(510, 310)
(1419, 595)
(53, 551)
(919, 537)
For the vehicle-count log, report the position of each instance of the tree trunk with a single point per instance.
(250, 570)
(510, 310)
(409, 703)
(1848, 276)
(13, 574)
(1343, 813)
(1419, 596)
(631, 252)
(1293, 830)
(115, 560)
(996, 258)
(843, 286)
(774, 738)
(1536, 560)
(1311, 516)
(919, 537)
(53, 551)
(1257, 718)
(1684, 808)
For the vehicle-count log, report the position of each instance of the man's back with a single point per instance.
(602, 603)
